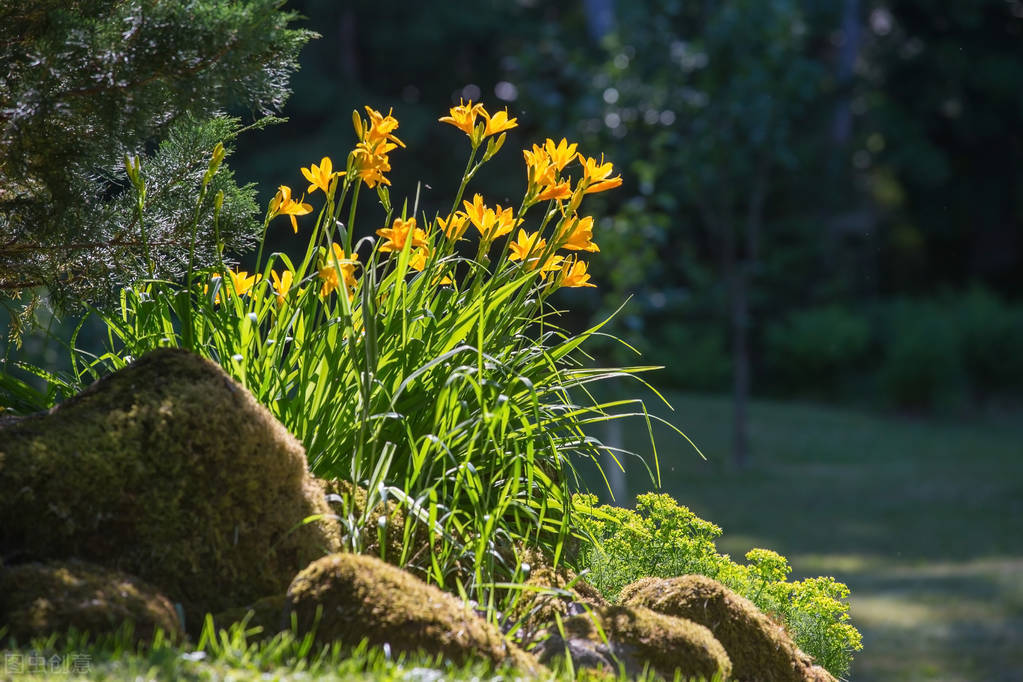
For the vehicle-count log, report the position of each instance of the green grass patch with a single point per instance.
(240, 654)
(923, 519)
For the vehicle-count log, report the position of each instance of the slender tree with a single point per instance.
(722, 88)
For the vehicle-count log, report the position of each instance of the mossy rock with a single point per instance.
(760, 649)
(347, 500)
(171, 471)
(267, 614)
(40, 599)
(639, 637)
(549, 593)
(356, 597)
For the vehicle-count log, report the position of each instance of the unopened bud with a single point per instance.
(357, 123)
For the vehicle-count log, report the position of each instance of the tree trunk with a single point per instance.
(847, 55)
(740, 273)
(615, 475)
(600, 18)
(348, 53)
(739, 304)
(733, 271)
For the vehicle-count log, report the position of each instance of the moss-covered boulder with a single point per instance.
(637, 637)
(549, 593)
(760, 649)
(171, 471)
(381, 530)
(349, 597)
(40, 599)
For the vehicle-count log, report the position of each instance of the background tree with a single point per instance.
(903, 179)
(860, 214)
(86, 84)
(704, 100)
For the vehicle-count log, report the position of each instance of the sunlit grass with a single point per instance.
(923, 519)
(240, 654)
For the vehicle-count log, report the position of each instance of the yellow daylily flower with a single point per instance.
(243, 281)
(371, 165)
(491, 222)
(455, 225)
(595, 175)
(328, 271)
(552, 263)
(399, 233)
(376, 141)
(561, 153)
(282, 284)
(579, 235)
(418, 259)
(539, 169)
(463, 116)
(418, 262)
(498, 123)
(526, 245)
(283, 204)
(573, 274)
(562, 190)
(503, 223)
(381, 128)
(320, 176)
(476, 211)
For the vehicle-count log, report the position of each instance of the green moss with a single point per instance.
(759, 648)
(171, 471)
(640, 636)
(349, 503)
(37, 600)
(548, 593)
(357, 597)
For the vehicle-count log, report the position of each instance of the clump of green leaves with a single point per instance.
(661, 538)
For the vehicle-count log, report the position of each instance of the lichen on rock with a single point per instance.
(350, 597)
(171, 471)
(41, 599)
(760, 649)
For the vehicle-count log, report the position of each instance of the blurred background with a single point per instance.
(820, 237)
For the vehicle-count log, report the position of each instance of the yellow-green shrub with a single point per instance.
(663, 539)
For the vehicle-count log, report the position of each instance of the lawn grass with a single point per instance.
(239, 655)
(922, 518)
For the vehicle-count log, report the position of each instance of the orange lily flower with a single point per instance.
(463, 116)
(579, 235)
(399, 233)
(573, 274)
(283, 204)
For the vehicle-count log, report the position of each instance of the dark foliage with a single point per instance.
(86, 84)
